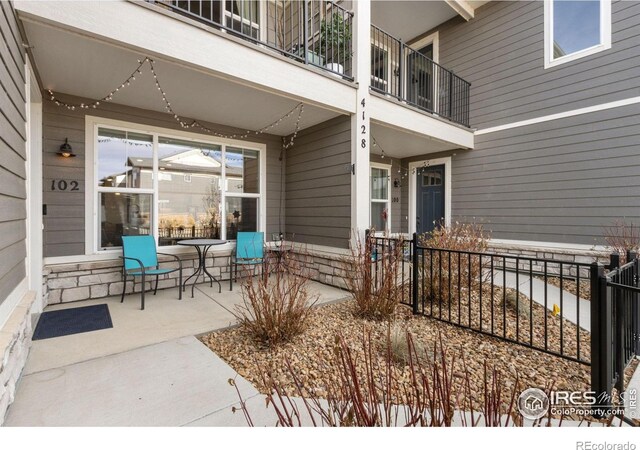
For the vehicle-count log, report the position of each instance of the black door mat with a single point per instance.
(72, 321)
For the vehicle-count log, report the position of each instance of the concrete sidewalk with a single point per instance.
(534, 288)
(173, 383)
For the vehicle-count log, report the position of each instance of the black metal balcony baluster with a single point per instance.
(316, 32)
(400, 71)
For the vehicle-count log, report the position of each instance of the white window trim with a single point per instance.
(386, 167)
(92, 123)
(434, 39)
(605, 36)
(412, 189)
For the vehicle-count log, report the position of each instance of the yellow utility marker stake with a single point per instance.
(556, 310)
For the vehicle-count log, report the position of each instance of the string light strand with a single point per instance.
(186, 124)
(106, 98)
(402, 171)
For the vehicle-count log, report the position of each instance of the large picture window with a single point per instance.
(576, 28)
(173, 187)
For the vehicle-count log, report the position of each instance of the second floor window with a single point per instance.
(574, 29)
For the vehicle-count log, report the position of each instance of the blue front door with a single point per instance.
(430, 198)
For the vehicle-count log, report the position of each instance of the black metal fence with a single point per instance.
(584, 312)
(534, 302)
(413, 77)
(538, 303)
(615, 319)
(171, 235)
(316, 32)
(382, 247)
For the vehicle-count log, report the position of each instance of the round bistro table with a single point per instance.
(202, 246)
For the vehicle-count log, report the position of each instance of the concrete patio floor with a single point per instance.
(149, 369)
(164, 318)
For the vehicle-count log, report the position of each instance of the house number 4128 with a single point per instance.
(363, 128)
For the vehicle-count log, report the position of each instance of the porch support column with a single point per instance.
(360, 122)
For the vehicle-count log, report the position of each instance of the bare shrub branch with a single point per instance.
(372, 275)
(458, 267)
(622, 236)
(276, 305)
(368, 391)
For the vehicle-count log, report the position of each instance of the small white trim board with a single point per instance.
(561, 115)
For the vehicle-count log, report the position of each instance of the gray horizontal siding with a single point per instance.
(501, 52)
(318, 184)
(65, 220)
(12, 154)
(559, 181)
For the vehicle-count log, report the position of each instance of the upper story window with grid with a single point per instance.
(575, 29)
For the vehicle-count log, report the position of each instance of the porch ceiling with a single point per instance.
(74, 64)
(401, 144)
(408, 19)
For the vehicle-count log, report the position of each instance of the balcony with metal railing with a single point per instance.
(315, 32)
(410, 76)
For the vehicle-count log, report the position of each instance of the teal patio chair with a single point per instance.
(141, 260)
(249, 252)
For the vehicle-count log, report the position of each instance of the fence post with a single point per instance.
(631, 255)
(635, 306)
(305, 32)
(634, 320)
(614, 261)
(615, 353)
(401, 70)
(414, 268)
(450, 95)
(601, 355)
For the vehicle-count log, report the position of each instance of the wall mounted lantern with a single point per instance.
(65, 150)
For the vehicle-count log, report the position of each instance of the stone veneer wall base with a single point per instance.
(65, 283)
(557, 253)
(99, 279)
(15, 341)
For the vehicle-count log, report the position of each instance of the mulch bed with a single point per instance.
(311, 354)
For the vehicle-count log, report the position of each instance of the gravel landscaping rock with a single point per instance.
(311, 353)
(533, 325)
